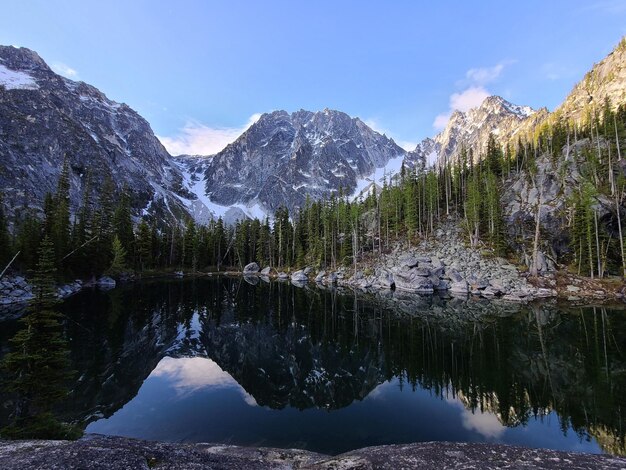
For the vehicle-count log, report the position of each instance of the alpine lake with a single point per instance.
(250, 362)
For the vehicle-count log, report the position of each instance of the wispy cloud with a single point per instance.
(484, 75)
(606, 6)
(64, 69)
(374, 123)
(474, 92)
(196, 138)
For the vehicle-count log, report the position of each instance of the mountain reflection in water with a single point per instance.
(222, 360)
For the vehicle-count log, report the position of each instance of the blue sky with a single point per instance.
(200, 71)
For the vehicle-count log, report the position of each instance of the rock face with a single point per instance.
(607, 79)
(113, 453)
(447, 265)
(284, 157)
(45, 118)
(17, 290)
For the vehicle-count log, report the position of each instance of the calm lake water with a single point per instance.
(272, 364)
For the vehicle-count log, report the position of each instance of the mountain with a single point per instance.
(471, 129)
(506, 121)
(279, 161)
(606, 80)
(285, 157)
(45, 117)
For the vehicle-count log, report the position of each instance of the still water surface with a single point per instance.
(223, 360)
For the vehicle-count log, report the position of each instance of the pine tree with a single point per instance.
(472, 210)
(144, 245)
(118, 265)
(28, 238)
(190, 246)
(60, 226)
(38, 365)
(123, 224)
(5, 241)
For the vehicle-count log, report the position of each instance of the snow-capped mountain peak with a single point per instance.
(286, 157)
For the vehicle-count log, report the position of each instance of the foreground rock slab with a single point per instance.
(101, 452)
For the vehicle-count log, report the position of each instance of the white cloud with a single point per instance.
(64, 69)
(484, 423)
(474, 92)
(468, 99)
(190, 374)
(441, 120)
(198, 139)
(373, 123)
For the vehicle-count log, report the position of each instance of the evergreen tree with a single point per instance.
(38, 365)
(60, 225)
(5, 241)
(123, 224)
(118, 265)
(144, 245)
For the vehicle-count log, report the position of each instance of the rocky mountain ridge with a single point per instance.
(606, 81)
(471, 130)
(279, 161)
(286, 157)
(45, 117)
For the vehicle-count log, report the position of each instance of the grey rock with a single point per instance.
(436, 262)
(320, 276)
(454, 275)
(409, 261)
(385, 279)
(417, 284)
(252, 280)
(266, 271)
(544, 293)
(299, 276)
(251, 268)
(106, 282)
(478, 284)
(420, 271)
(308, 270)
(459, 287)
(116, 453)
(489, 292)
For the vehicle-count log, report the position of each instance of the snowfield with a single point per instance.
(12, 80)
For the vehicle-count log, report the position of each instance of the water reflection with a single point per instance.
(190, 375)
(273, 364)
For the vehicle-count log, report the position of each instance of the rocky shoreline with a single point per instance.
(443, 265)
(447, 266)
(16, 290)
(112, 453)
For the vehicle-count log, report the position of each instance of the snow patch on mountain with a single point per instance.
(16, 80)
(203, 209)
(378, 177)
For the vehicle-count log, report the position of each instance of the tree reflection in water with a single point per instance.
(307, 348)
